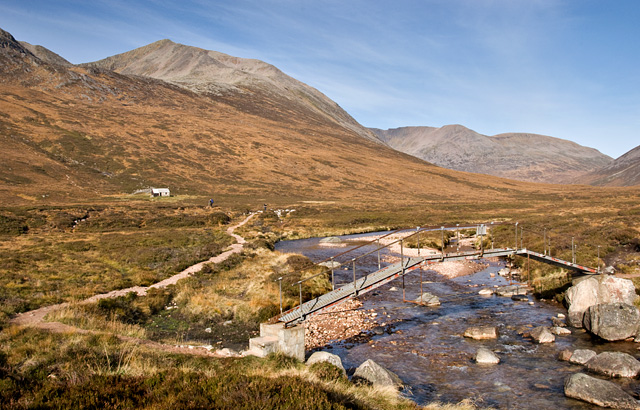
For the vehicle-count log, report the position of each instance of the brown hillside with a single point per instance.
(80, 133)
(624, 171)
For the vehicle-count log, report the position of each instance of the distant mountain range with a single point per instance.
(525, 157)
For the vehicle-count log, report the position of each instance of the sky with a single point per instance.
(565, 68)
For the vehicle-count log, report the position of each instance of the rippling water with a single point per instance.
(425, 347)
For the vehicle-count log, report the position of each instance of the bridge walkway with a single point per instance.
(385, 275)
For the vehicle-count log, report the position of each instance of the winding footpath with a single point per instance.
(35, 318)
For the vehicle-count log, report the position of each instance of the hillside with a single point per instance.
(525, 157)
(234, 80)
(624, 171)
(77, 133)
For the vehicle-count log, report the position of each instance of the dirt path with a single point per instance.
(35, 318)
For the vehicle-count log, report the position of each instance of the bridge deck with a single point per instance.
(396, 270)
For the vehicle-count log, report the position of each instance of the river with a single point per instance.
(424, 346)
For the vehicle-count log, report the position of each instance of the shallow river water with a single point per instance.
(425, 348)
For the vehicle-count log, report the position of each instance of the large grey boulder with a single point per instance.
(614, 364)
(318, 357)
(582, 356)
(599, 392)
(612, 321)
(486, 356)
(428, 299)
(595, 291)
(481, 332)
(377, 375)
(542, 334)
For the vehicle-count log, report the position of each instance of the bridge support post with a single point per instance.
(277, 338)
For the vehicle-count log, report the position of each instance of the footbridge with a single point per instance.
(368, 282)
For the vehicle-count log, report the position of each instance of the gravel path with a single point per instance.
(36, 317)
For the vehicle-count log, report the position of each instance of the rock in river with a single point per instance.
(377, 375)
(599, 392)
(481, 332)
(542, 334)
(612, 321)
(595, 291)
(318, 357)
(484, 355)
(428, 299)
(614, 364)
(582, 356)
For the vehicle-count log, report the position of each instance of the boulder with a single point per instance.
(582, 356)
(560, 331)
(331, 239)
(428, 299)
(596, 291)
(613, 321)
(510, 290)
(486, 292)
(373, 373)
(542, 334)
(520, 298)
(484, 355)
(318, 357)
(565, 355)
(599, 392)
(614, 364)
(481, 332)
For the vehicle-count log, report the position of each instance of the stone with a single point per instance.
(486, 356)
(614, 364)
(565, 355)
(428, 299)
(318, 357)
(558, 322)
(485, 292)
(542, 334)
(613, 321)
(331, 239)
(207, 330)
(373, 373)
(560, 331)
(481, 332)
(595, 291)
(582, 356)
(510, 290)
(226, 352)
(520, 298)
(599, 392)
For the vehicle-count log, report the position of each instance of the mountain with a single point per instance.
(45, 54)
(525, 157)
(81, 133)
(233, 80)
(624, 171)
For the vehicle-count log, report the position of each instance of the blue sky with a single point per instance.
(565, 68)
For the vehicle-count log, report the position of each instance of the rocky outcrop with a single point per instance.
(318, 357)
(613, 321)
(371, 372)
(599, 392)
(481, 332)
(595, 291)
(614, 364)
(486, 356)
(542, 334)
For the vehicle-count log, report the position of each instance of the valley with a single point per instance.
(79, 143)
